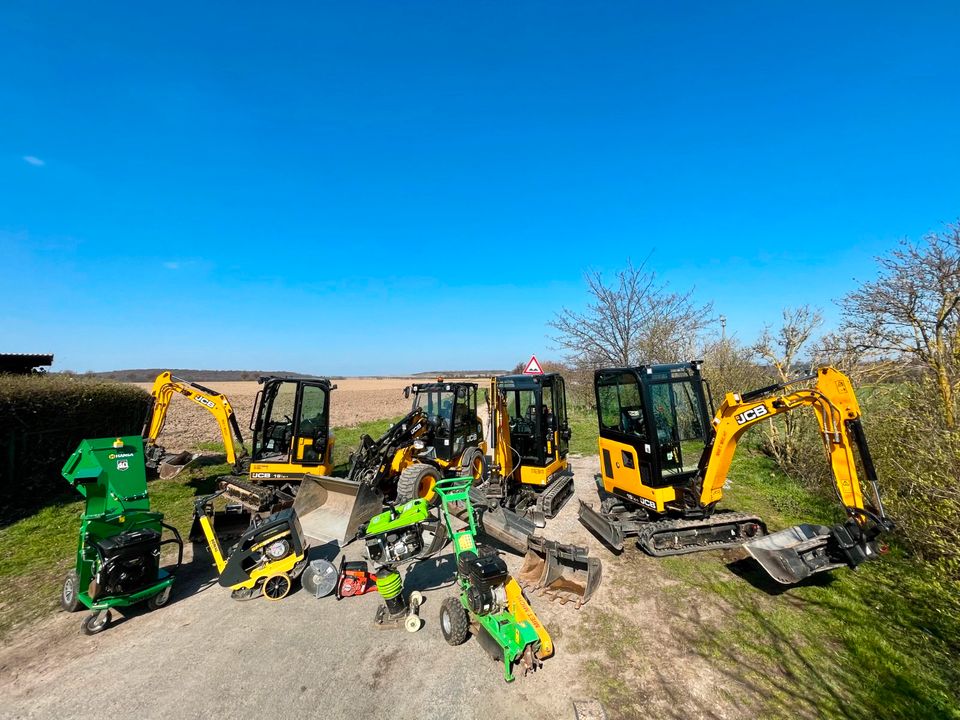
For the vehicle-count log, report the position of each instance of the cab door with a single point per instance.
(626, 458)
(312, 426)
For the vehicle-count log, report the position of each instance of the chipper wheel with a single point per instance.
(454, 623)
(417, 481)
(70, 592)
(95, 623)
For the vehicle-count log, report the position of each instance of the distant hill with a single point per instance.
(150, 374)
(147, 375)
(459, 373)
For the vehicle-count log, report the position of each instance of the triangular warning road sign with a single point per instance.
(533, 367)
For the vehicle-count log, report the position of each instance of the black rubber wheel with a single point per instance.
(70, 592)
(276, 586)
(96, 623)
(473, 464)
(155, 602)
(454, 623)
(417, 481)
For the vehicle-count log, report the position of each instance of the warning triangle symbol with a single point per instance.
(533, 367)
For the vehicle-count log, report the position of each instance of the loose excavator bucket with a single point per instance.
(792, 555)
(560, 572)
(173, 464)
(333, 508)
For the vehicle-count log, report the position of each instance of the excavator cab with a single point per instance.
(291, 429)
(451, 410)
(654, 426)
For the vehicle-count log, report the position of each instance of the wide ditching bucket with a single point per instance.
(563, 573)
(792, 555)
(334, 508)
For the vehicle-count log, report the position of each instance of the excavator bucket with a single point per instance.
(173, 464)
(333, 508)
(559, 572)
(792, 555)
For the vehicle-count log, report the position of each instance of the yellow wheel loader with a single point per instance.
(664, 462)
(441, 436)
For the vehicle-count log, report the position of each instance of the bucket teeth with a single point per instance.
(562, 573)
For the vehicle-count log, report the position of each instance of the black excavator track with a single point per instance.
(717, 532)
(551, 499)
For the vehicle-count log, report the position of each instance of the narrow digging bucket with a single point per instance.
(792, 555)
(172, 465)
(333, 508)
(563, 573)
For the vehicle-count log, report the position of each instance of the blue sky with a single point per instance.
(361, 188)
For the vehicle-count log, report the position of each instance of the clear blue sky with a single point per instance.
(357, 188)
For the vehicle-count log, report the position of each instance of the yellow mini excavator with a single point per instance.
(529, 438)
(168, 465)
(290, 424)
(664, 463)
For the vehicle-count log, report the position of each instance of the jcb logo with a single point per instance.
(752, 414)
(204, 401)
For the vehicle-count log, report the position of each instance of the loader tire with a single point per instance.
(473, 464)
(454, 623)
(417, 481)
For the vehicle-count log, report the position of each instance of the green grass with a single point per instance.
(583, 430)
(880, 642)
(39, 549)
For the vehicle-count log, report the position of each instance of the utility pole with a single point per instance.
(723, 327)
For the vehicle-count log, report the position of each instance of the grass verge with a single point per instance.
(39, 549)
(880, 642)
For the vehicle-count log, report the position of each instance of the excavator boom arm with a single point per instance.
(214, 402)
(838, 414)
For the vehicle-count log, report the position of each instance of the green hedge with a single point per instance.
(42, 420)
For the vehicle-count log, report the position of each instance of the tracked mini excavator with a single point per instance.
(529, 438)
(290, 424)
(168, 465)
(664, 463)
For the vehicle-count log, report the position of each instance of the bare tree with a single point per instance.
(912, 311)
(730, 366)
(630, 321)
(782, 351)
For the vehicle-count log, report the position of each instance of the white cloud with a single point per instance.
(32, 160)
(171, 265)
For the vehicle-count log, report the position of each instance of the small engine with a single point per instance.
(395, 546)
(488, 577)
(128, 562)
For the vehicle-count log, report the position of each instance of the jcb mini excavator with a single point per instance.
(529, 438)
(168, 465)
(664, 463)
(290, 424)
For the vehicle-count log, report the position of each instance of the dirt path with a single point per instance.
(206, 655)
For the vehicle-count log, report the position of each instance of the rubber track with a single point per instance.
(247, 489)
(559, 490)
(649, 530)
